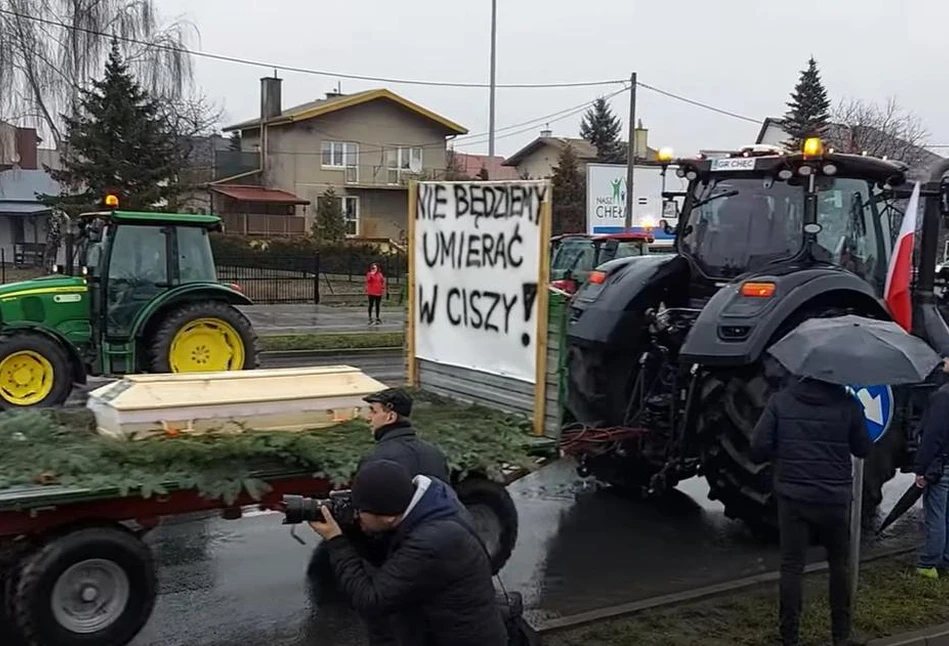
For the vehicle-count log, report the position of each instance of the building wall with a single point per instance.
(294, 160)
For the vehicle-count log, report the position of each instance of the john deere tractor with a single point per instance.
(137, 293)
(667, 353)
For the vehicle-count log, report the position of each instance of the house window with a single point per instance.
(350, 204)
(403, 160)
(340, 154)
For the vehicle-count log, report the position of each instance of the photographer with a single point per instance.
(435, 582)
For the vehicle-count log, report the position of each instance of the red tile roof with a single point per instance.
(257, 194)
(471, 165)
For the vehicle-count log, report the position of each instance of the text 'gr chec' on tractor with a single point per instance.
(666, 353)
(137, 292)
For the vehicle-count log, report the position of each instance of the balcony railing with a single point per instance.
(385, 177)
(229, 163)
(253, 224)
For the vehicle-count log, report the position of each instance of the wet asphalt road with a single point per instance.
(229, 582)
(309, 319)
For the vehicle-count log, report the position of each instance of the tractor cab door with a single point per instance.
(137, 271)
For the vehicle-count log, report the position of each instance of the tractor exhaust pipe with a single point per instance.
(930, 324)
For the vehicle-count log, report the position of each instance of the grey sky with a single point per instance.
(741, 55)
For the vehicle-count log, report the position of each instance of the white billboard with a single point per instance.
(477, 262)
(606, 198)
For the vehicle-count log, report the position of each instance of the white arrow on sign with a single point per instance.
(872, 406)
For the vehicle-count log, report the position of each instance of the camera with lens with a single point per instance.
(300, 509)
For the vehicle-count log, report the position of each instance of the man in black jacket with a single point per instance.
(396, 440)
(932, 469)
(435, 582)
(810, 430)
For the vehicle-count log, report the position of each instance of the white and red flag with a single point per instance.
(900, 272)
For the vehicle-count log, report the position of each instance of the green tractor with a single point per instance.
(138, 292)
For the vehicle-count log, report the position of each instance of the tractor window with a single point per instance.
(743, 224)
(195, 260)
(628, 249)
(138, 271)
(574, 255)
(851, 232)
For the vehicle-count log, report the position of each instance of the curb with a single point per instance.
(341, 352)
(719, 589)
(931, 636)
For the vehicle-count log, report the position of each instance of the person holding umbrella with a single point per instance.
(811, 430)
(931, 469)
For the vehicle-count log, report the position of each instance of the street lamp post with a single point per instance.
(494, 35)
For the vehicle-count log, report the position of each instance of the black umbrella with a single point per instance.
(855, 351)
(904, 504)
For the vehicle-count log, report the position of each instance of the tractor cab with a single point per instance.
(136, 292)
(575, 255)
(761, 210)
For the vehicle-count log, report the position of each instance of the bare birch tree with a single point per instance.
(51, 49)
(880, 130)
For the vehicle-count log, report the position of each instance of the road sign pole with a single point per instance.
(856, 508)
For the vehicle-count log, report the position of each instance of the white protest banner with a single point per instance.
(477, 250)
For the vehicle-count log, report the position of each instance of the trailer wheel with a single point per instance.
(494, 515)
(211, 336)
(34, 371)
(93, 586)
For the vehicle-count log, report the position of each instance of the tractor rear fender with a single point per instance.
(202, 292)
(734, 330)
(75, 358)
(610, 313)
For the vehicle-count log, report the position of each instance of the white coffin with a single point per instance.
(285, 399)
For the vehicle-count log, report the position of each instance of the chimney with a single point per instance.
(546, 132)
(26, 144)
(641, 139)
(270, 101)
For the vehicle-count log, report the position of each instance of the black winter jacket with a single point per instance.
(399, 442)
(930, 457)
(810, 430)
(435, 582)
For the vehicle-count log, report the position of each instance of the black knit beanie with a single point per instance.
(383, 487)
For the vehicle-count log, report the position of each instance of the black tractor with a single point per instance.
(666, 354)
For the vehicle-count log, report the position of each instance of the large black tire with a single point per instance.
(161, 339)
(9, 635)
(26, 366)
(40, 610)
(730, 406)
(494, 514)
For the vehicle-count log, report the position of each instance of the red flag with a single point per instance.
(900, 272)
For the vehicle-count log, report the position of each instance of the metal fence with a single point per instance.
(270, 280)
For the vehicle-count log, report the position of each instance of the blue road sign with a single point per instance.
(877, 404)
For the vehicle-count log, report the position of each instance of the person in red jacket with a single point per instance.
(375, 287)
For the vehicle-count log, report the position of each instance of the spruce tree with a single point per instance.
(117, 142)
(569, 194)
(808, 110)
(329, 226)
(602, 128)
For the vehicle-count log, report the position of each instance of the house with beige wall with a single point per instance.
(367, 146)
(539, 158)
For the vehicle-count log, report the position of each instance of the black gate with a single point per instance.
(273, 279)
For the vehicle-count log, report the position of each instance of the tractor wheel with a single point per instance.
(730, 408)
(34, 371)
(93, 586)
(494, 514)
(204, 337)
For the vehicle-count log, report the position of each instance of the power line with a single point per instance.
(303, 70)
(679, 97)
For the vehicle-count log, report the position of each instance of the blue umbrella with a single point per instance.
(855, 351)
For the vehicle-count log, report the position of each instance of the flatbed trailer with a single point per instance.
(74, 568)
